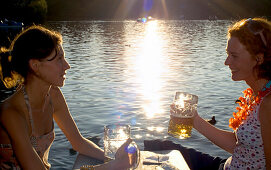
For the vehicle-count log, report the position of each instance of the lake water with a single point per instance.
(128, 72)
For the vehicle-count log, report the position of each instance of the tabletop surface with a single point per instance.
(149, 160)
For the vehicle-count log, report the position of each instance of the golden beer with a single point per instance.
(180, 127)
(182, 112)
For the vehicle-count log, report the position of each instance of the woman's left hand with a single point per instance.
(125, 160)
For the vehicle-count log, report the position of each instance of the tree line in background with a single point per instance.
(24, 10)
(38, 11)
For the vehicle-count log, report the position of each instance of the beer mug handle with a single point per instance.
(132, 148)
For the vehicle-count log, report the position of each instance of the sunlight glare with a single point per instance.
(149, 68)
(157, 129)
(147, 65)
(122, 134)
(138, 136)
(151, 128)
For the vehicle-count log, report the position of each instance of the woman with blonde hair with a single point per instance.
(249, 59)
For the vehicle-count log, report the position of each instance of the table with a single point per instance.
(149, 160)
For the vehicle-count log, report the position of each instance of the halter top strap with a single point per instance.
(26, 98)
(41, 143)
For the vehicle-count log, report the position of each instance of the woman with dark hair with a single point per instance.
(35, 63)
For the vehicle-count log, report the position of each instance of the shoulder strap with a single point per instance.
(29, 110)
(51, 103)
(258, 108)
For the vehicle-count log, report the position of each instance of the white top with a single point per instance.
(249, 150)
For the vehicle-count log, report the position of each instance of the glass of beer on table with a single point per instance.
(181, 119)
(114, 136)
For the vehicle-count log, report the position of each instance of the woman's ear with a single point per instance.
(260, 58)
(34, 65)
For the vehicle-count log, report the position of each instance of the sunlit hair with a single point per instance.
(35, 42)
(254, 43)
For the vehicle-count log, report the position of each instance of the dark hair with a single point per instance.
(35, 42)
(254, 43)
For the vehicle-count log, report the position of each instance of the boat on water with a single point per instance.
(10, 24)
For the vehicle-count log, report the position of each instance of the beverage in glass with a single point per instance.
(181, 121)
(114, 136)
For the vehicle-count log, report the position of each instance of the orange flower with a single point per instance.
(246, 104)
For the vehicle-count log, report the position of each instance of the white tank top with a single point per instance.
(249, 150)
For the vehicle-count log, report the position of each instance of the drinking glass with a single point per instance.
(181, 121)
(114, 136)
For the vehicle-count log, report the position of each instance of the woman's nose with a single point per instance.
(227, 61)
(66, 65)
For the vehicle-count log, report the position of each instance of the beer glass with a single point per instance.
(181, 121)
(114, 136)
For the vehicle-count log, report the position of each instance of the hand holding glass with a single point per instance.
(181, 121)
(114, 137)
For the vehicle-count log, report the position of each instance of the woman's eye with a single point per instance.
(232, 55)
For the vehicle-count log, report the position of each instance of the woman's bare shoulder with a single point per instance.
(267, 101)
(13, 107)
(12, 115)
(55, 92)
(265, 108)
(58, 99)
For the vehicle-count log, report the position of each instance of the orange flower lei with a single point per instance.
(247, 104)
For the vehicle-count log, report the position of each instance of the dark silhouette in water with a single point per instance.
(212, 121)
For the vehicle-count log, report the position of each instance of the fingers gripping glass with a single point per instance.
(256, 29)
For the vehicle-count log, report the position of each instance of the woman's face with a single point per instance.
(240, 61)
(53, 68)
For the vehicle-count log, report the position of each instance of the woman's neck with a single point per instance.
(257, 85)
(37, 93)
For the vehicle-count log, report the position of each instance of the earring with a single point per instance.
(34, 65)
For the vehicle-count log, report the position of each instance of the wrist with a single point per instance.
(195, 120)
(114, 164)
(111, 165)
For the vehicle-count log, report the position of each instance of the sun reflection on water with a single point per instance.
(157, 129)
(148, 67)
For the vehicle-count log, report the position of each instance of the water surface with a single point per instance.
(128, 72)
